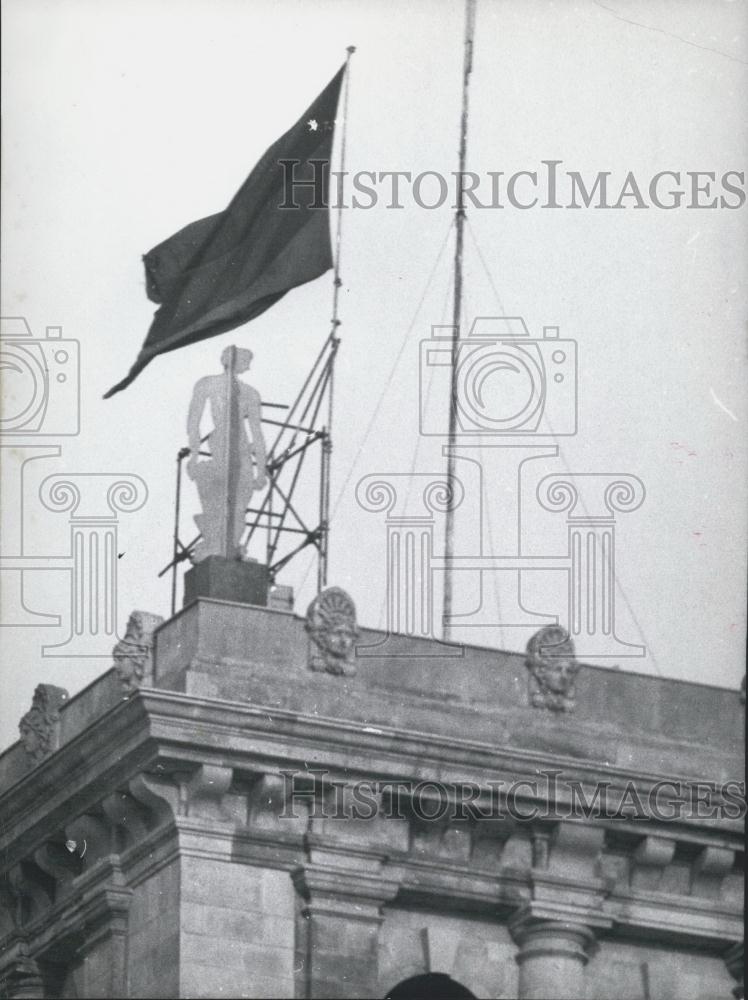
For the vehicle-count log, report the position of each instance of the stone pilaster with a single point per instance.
(20, 976)
(103, 918)
(556, 929)
(340, 916)
(735, 962)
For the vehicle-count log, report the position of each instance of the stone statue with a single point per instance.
(39, 726)
(552, 664)
(331, 624)
(133, 655)
(236, 466)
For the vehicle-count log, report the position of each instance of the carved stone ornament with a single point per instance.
(133, 654)
(331, 624)
(39, 726)
(552, 665)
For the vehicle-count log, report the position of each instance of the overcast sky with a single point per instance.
(124, 121)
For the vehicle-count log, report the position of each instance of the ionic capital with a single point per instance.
(391, 492)
(591, 496)
(97, 497)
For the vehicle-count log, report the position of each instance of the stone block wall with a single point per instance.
(154, 929)
(641, 971)
(237, 930)
(478, 953)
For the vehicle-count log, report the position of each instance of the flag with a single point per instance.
(219, 272)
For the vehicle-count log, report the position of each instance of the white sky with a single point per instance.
(125, 121)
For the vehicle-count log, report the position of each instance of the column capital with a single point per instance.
(554, 947)
(93, 496)
(390, 491)
(337, 883)
(538, 937)
(591, 496)
(576, 897)
(343, 892)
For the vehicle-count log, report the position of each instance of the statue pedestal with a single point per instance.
(227, 580)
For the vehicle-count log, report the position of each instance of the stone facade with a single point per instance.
(158, 849)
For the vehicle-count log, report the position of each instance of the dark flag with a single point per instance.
(220, 272)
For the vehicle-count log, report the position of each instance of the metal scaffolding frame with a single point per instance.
(278, 516)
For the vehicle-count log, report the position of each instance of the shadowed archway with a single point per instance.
(431, 986)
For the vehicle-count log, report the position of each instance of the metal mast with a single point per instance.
(457, 314)
(324, 545)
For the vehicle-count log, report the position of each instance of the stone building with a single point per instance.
(240, 807)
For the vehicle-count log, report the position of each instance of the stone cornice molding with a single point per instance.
(101, 910)
(327, 867)
(114, 747)
(340, 884)
(135, 728)
(99, 907)
(232, 717)
(554, 912)
(578, 896)
(689, 921)
(173, 784)
(20, 975)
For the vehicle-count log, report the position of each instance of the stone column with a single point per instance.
(556, 929)
(552, 956)
(338, 930)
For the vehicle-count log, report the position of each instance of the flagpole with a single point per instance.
(449, 526)
(334, 344)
